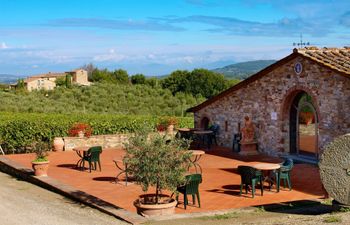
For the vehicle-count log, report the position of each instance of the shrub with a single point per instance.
(19, 130)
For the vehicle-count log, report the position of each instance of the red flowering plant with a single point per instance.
(161, 127)
(80, 128)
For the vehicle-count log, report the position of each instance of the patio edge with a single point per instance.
(14, 169)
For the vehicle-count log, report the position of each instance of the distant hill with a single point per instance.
(8, 78)
(244, 69)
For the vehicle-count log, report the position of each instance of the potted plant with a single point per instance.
(80, 130)
(307, 118)
(172, 122)
(40, 164)
(156, 161)
(167, 124)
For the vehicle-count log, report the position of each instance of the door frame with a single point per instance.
(298, 132)
(290, 114)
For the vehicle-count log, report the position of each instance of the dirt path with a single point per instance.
(308, 215)
(24, 203)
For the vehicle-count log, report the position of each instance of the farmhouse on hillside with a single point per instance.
(48, 81)
(297, 105)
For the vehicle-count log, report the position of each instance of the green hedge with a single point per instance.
(20, 130)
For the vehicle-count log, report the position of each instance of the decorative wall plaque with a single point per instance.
(298, 68)
(273, 115)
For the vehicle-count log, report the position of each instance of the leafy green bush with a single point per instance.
(20, 130)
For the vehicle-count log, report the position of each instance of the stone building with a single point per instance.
(310, 82)
(79, 77)
(48, 81)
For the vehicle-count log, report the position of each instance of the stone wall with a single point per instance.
(106, 141)
(273, 94)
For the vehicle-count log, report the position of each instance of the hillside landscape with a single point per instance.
(243, 70)
(115, 92)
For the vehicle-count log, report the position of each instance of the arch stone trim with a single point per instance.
(289, 97)
(286, 105)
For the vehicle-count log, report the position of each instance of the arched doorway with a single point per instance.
(204, 123)
(303, 126)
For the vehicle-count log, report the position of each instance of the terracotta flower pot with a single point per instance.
(149, 210)
(81, 134)
(40, 168)
(170, 129)
(58, 144)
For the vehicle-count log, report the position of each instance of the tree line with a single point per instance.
(197, 82)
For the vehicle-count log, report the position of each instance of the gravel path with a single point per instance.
(24, 203)
(312, 215)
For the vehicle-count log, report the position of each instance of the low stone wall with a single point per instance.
(106, 141)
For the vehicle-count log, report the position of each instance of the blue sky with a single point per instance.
(155, 37)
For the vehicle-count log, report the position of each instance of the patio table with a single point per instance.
(185, 132)
(184, 129)
(81, 152)
(202, 135)
(267, 168)
(196, 155)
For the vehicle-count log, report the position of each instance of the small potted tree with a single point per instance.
(40, 164)
(156, 161)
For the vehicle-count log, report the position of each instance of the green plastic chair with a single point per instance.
(93, 157)
(215, 128)
(190, 188)
(250, 176)
(284, 174)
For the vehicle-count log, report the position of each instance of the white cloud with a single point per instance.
(3, 45)
(112, 55)
(188, 59)
(151, 56)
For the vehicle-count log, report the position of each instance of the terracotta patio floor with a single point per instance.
(219, 190)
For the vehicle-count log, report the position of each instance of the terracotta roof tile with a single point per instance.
(335, 58)
(45, 75)
(29, 79)
(50, 75)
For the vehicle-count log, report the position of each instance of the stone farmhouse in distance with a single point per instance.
(298, 104)
(48, 81)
